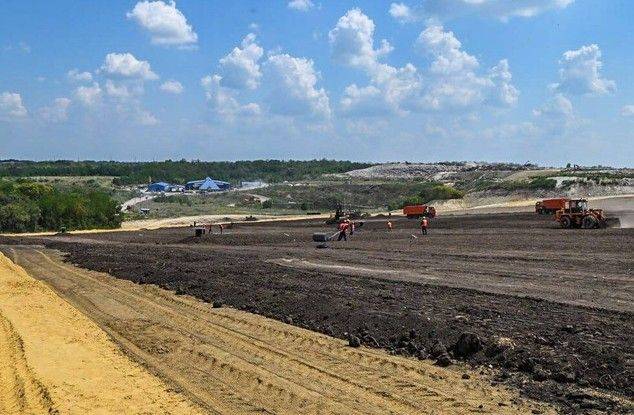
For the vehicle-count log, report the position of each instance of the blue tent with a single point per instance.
(209, 184)
(159, 187)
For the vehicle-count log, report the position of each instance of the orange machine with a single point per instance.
(418, 211)
(575, 214)
(548, 206)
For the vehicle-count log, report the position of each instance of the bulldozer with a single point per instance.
(576, 214)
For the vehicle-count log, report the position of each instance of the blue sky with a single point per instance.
(547, 81)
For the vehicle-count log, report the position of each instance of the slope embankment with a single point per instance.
(53, 359)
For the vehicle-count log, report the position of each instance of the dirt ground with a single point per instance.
(232, 362)
(55, 360)
(549, 309)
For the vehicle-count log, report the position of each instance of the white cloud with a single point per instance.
(146, 118)
(453, 78)
(627, 111)
(89, 95)
(352, 41)
(240, 69)
(367, 101)
(504, 93)
(125, 65)
(301, 5)
(451, 81)
(446, 48)
(165, 23)
(403, 13)
(76, 76)
(293, 82)
(501, 9)
(222, 101)
(580, 72)
(11, 106)
(558, 106)
(118, 90)
(57, 111)
(172, 87)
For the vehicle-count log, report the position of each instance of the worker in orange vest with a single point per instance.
(423, 225)
(343, 227)
(389, 225)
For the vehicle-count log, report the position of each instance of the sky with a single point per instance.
(542, 81)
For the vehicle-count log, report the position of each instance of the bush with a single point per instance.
(267, 204)
(29, 206)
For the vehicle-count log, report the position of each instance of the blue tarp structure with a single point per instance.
(159, 187)
(208, 184)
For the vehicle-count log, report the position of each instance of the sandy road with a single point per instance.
(233, 362)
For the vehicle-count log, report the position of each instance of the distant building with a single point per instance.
(159, 187)
(208, 184)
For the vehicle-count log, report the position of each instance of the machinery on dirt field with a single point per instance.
(549, 206)
(418, 211)
(342, 213)
(575, 214)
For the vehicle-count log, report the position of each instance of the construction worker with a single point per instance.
(423, 225)
(221, 226)
(343, 227)
(389, 225)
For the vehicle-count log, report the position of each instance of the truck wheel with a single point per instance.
(565, 222)
(589, 222)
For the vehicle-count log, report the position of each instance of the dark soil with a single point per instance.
(557, 351)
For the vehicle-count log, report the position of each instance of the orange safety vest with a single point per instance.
(424, 223)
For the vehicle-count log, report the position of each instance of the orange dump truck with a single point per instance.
(418, 211)
(548, 206)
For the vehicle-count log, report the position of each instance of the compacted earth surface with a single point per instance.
(550, 310)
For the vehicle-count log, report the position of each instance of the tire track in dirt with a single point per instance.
(20, 390)
(55, 360)
(241, 363)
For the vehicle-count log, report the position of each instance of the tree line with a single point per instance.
(180, 171)
(27, 206)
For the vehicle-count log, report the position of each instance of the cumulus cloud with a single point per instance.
(452, 80)
(352, 41)
(172, 87)
(222, 100)
(240, 69)
(627, 111)
(88, 95)
(403, 13)
(301, 5)
(453, 77)
(75, 76)
(125, 65)
(165, 23)
(57, 111)
(293, 87)
(11, 107)
(500, 9)
(580, 73)
(504, 93)
(556, 115)
(119, 90)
